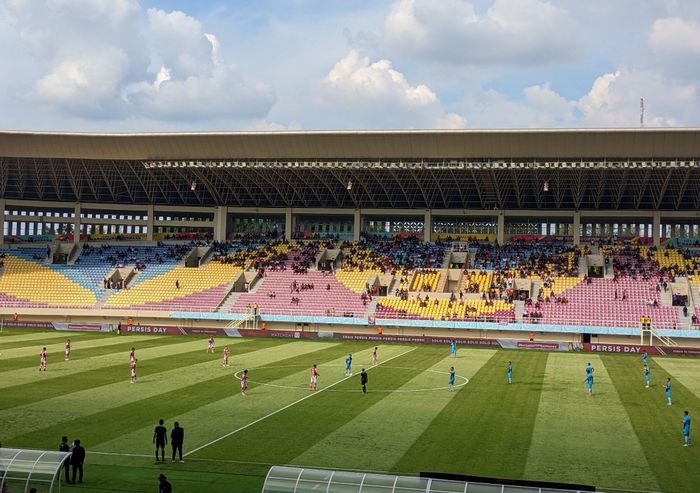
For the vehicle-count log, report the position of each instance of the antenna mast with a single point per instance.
(641, 112)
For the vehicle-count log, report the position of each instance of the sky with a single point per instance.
(259, 65)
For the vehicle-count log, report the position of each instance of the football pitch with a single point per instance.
(542, 427)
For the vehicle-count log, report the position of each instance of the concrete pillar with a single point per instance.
(577, 228)
(220, 222)
(357, 225)
(150, 212)
(2, 221)
(656, 228)
(427, 225)
(288, 224)
(76, 224)
(501, 231)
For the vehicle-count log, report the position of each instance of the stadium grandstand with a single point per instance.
(354, 229)
(356, 243)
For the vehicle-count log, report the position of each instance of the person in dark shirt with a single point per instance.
(77, 459)
(160, 438)
(64, 447)
(165, 486)
(363, 380)
(177, 436)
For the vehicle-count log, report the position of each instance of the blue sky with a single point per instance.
(129, 65)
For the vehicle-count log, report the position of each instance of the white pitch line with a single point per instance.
(284, 408)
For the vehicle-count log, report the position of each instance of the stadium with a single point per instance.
(535, 252)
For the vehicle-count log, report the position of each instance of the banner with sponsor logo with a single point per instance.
(20, 324)
(541, 345)
(81, 327)
(397, 339)
(639, 349)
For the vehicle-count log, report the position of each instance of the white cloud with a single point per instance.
(675, 36)
(108, 59)
(614, 100)
(374, 91)
(511, 31)
(193, 81)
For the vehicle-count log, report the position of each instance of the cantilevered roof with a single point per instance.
(676, 143)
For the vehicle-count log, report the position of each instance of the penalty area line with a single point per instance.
(284, 408)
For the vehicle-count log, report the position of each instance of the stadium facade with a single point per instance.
(640, 182)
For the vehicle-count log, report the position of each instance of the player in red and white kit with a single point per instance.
(314, 378)
(43, 356)
(226, 353)
(133, 370)
(66, 357)
(132, 355)
(244, 382)
(210, 345)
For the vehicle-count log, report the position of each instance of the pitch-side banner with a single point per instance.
(639, 349)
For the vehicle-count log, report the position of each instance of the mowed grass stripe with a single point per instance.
(486, 428)
(62, 368)
(657, 425)
(99, 410)
(372, 440)
(685, 371)
(581, 439)
(57, 363)
(224, 405)
(298, 428)
(30, 339)
(45, 389)
(26, 335)
(57, 349)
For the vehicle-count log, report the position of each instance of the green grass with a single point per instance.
(542, 427)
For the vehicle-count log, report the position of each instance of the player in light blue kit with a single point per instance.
(686, 429)
(590, 369)
(667, 387)
(647, 375)
(589, 382)
(451, 380)
(348, 366)
(509, 372)
(453, 348)
(645, 358)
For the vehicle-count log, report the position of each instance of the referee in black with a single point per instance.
(363, 380)
(177, 436)
(160, 439)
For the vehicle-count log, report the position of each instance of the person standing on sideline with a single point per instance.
(363, 380)
(313, 384)
(375, 359)
(667, 389)
(509, 372)
(164, 486)
(451, 380)
(348, 366)
(453, 348)
(226, 353)
(77, 459)
(160, 439)
(64, 447)
(67, 354)
(43, 356)
(647, 375)
(177, 437)
(686, 429)
(244, 382)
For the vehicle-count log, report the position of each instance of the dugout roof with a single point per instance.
(422, 169)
